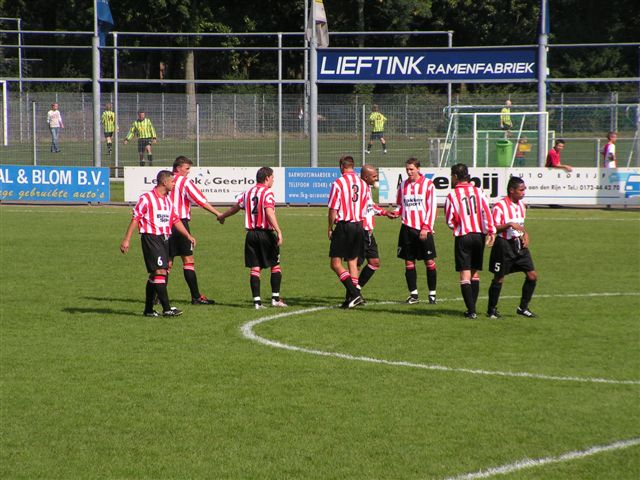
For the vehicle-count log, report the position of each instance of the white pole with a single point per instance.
(475, 139)
(364, 134)
(33, 122)
(95, 54)
(313, 85)
(5, 115)
(197, 134)
(542, 83)
(116, 148)
(279, 99)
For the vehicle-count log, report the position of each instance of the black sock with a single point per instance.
(254, 282)
(412, 279)
(494, 294)
(150, 295)
(150, 158)
(109, 144)
(366, 274)
(345, 279)
(475, 288)
(142, 163)
(384, 146)
(163, 294)
(191, 279)
(467, 295)
(432, 279)
(276, 279)
(527, 292)
(369, 147)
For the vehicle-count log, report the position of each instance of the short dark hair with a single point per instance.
(181, 160)
(558, 141)
(610, 134)
(461, 172)
(413, 161)
(514, 182)
(263, 173)
(162, 176)
(347, 161)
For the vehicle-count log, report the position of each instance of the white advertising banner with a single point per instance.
(545, 186)
(219, 184)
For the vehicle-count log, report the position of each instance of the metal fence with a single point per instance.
(242, 129)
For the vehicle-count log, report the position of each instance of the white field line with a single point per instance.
(565, 457)
(247, 332)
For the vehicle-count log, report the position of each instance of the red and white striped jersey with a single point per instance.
(154, 213)
(184, 194)
(349, 196)
(416, 203)
(371, 210)
(255, 202)
(467, 210)
(505, 211)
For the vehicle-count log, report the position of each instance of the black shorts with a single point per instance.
(155, 250)
(376, 135)
(179, 245)
(347, 241)
(508, 256)
(261, 249)
(142, 144)
(370, 247)
(410, 247)
(108, 134)
(469, 251)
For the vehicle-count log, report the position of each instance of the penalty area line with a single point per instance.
(531, 463)
(248, 332)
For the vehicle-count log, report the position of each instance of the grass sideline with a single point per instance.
(93, 389)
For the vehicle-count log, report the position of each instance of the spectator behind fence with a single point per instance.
(609, 158)
(505, 118)
(553, 157)
(143, 129)
(108, 121)
(54, 120)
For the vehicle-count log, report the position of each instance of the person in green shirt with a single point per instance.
(108, 121)
(143, 129)
(377, 121)
(505, 117)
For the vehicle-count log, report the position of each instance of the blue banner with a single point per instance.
(427, 65)
(309, 185)
(105, 20)
(54, 184)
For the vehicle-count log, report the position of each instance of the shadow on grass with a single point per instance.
(102, 311)
(426, 311)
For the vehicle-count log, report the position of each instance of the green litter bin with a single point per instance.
(504, 153)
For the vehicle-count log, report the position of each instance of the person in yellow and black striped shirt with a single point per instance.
(377, 121)
(108, 121)
(143, 129)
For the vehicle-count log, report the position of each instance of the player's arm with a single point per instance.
(126, 241)
(131, 133)
(181, 228)
(333, 214)
(273, 221)
(232, 211)
(198, 198)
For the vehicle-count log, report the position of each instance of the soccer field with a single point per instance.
(92, 389)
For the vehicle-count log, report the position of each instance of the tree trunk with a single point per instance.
(190, 88)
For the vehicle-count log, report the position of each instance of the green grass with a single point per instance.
(264, 151)
(91, 389)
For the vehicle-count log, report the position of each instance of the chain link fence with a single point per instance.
(243, 129)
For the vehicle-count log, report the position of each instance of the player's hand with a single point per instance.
(221, 219)
(330, 233)
(424, 233)
(525, 241)
(516, 226)
(193, 242)
(490, 239)
(124, 246)
(280, 239)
